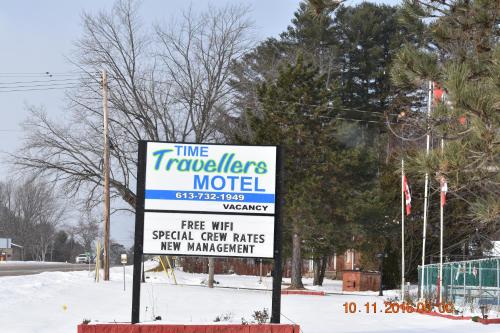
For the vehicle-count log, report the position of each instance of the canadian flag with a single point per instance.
(444, 190)
(407, 195)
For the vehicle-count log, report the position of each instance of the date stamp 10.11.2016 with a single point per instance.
(397, 307)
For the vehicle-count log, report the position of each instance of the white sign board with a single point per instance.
(5, 243)
(123, 258)
(209, 234)
(210, 178)
(209, 200)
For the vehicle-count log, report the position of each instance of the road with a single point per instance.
(7, 269)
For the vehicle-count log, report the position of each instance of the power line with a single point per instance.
(40, 85)
(341, 109)
(333, 107)
(41, 89)
(70, 83)
(42, 73)
(38, 81)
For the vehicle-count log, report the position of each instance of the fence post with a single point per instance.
(427, 281)
(420, 280)
(465, 272)
(498, 283)
(480, 281)
(451, 283)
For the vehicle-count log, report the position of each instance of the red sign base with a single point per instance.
(139, 328)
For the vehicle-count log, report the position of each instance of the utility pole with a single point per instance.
(426, 188)
(441, 227)
(106, 173)
(403, 201)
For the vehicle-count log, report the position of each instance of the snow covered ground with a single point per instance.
(55, 302)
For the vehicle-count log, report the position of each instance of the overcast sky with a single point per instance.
(37, 37)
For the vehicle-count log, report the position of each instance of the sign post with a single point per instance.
(139, 231)
(123, 259)
(208, 200)
(277, 271)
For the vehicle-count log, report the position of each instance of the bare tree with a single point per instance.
(166, 83)
(197, 54)
(31, 214)
(87, 230)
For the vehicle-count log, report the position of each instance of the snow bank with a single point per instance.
(55, 302)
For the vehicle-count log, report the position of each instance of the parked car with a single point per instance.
(83, 259)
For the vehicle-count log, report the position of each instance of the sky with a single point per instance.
(38, 37)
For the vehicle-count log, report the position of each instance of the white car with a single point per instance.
(82, 259)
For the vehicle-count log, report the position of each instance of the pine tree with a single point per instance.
(295, 115)
(462, 54)
(353, 62)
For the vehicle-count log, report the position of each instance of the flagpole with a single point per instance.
(426, 190)
(441, 224)
(402, 229)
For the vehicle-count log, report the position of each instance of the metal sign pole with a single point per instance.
(277, 271)
(123, 277)
(123, 260)
(139, 231)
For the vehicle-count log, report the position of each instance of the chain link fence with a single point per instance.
(470, 284)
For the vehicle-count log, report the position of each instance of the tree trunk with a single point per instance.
(296, 261)
(323, 270)
(319, 270)
(316, 271)
(211, 272)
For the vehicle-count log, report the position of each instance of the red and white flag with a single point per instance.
(407, 195)
(444, 190)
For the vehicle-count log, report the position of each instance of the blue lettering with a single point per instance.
(178, 150)
(184, 165)
(232, 179)
(246, 181)
(170, 162)
(222, 183)
(261, 168)
(197, 168)
(159, 154)
(192, 151)
(200, 184)
(204, 151)
(236, 167)
(257, 189)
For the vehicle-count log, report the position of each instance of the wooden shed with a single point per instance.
(356, 280)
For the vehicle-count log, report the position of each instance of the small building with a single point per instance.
(10, 251)
(337, 263)
(360, 280)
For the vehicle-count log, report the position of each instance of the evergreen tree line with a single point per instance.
(451, 43)
(322, 91)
